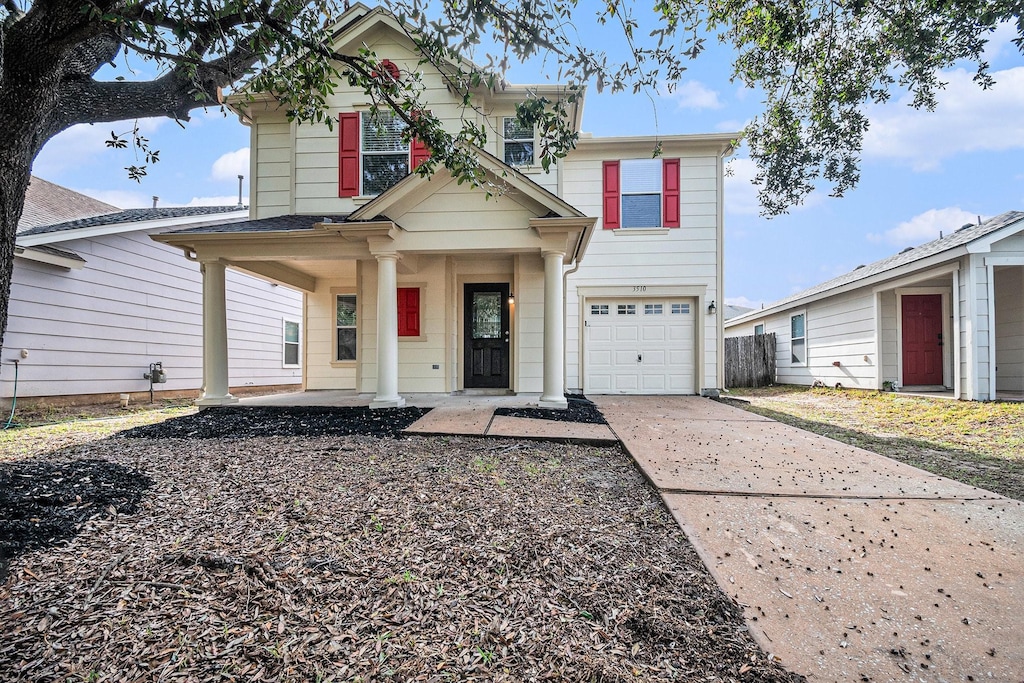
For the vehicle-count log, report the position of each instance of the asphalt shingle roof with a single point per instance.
(132, 216)
(47, 203)
(277, 224)
(948, 242)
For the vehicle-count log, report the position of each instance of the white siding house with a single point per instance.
(94, 301)
(597, 276)
(944, 316)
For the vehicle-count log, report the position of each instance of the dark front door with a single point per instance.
(486, 336)
(922, 339)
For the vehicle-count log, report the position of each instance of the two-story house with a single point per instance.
(602, 275)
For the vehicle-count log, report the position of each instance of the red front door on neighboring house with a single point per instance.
(922, 339)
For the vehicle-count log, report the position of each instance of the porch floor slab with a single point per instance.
(529, 428)
(458, 420)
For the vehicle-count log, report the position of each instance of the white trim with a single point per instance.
(983, 245)
(204, 220)
(972, 330)
(990, 269)
(30, 254)
(876, 303)
(957, 349)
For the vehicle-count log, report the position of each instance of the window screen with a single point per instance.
(385, 156)
(641, 192)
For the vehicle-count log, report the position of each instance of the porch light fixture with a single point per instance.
(511, 298)
(712, 309)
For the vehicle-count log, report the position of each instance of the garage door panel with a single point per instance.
(664, 343)
(626, 333)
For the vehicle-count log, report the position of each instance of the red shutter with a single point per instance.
(611, 194)
(670, 190)
(408, 311)
(348, 154)
(418, 153)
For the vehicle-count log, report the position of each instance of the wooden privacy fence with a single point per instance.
(750, 361)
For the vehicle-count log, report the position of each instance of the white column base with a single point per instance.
(398, 402)
(554, 403)
(208, 401)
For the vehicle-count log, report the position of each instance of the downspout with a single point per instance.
(565, 297)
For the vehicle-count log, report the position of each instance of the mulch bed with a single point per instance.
(252, 421)
(364, 558)
(581, 409)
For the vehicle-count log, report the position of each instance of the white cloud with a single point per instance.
(967, 119)
(743, 302)
(693, 95)
(123, 199)
(80, 144)
(231, 165)
(224, 200)
(924, 227)
(741, 192)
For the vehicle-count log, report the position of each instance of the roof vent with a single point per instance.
(859, 267)
(906, 250)
(965, 226)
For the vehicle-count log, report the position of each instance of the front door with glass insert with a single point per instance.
(486, 336)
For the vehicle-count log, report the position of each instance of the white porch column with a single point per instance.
(387, 333)
(554, 339)
(215, 337)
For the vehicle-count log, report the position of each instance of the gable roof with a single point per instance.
(957, 240)
(47, 203)
(517, 183)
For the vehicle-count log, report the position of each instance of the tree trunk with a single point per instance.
(15, 173)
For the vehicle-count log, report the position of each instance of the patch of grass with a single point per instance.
(71, 430)
(981, 444)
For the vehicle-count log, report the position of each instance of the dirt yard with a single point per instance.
(981, 444)
(349, 558)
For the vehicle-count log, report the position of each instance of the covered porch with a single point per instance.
(431, 288)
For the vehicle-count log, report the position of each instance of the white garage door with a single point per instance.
(639, 346)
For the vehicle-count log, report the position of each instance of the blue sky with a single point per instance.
(921, 172)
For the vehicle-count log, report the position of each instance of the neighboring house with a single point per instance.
(94, 301)
(946, 315)
(599, 276)
(734, 311)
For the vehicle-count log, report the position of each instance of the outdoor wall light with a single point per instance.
(511, 298)
(712, 309)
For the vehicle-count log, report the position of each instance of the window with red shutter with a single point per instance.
(418, 153)
(348, 154)
(670, 192)
(408, 311)
(641, 193)
(611, 194)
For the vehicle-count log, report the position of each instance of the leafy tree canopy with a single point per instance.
(819, 63)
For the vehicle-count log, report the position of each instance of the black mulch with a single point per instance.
(43, 503)
(581, 409)
(255, 421)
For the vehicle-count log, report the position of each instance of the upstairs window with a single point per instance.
(371, 154)
(641, 193)
(518, 142)
(385, 158)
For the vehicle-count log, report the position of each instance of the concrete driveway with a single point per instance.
(848, 566)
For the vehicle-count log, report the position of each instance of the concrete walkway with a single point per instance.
(848, 566)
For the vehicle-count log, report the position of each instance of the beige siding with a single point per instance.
(677, 257)
(272, 164)
(96, 330)
(322, 372)
(983, 330)
(528, 355)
